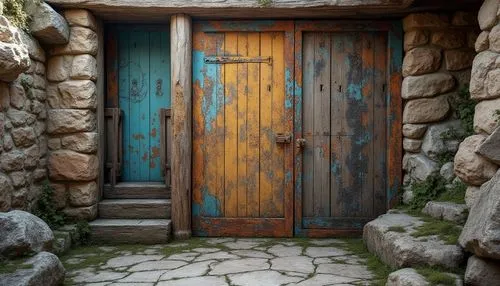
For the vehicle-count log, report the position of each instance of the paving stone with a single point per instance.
(252, 253)
(205, 250)
(221, 255)
(190, 270)
(237, 266)
(74, 260)
(205, 281)
(173, 245)
(346, 270)
(188, 256)
(322, 260)
(130, 284)
(219, 240)
(293, 263)
(130, 260)
(281, 250)
(325, 279)
(241, 244)
(303, 275)
(157, 265)
(262, 278)
(288, 243)
(324, 251)
(328, 241)
(107, 248)
(144, 276)
(90, 277)
(260, 248)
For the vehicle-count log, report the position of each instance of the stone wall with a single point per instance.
(72, 121)
(439, 50)
(479, 155)
(23, 142)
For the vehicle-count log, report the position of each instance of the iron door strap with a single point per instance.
(283, 138)
(237, 60)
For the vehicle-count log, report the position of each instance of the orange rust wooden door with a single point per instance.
(344, 118)
(243, 124)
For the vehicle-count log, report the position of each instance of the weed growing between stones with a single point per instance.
(426, 191)
(265, 3)
(46, 209)
(454, 194)
(83, 232)
(464, 108)
(437, 276)
(445, 230)
(12, 266)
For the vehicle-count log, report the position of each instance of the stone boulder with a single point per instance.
(482, 42)
(48, 26)
(427, 85)
(446, 211)
(81, 41)
(414, 131)
(22, 233)
(426, 110)
(487, 15)
(471, 195)
(482, 64)
(401, 249)
(419, 166)
(470, 167)
(70, 121)
(482, 272)
(485, 116)
(434, 144)
(481, 233)
(14, 57)
(490, 148)
(65, 165)
(406, 277)
(421, 61)
(46, 269)
(447, 171)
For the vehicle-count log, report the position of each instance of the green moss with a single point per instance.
(464, 108)
(397, 229)
(426, 191)
(265, 3)
(455, 194)
(445, 230)
(437, 276)
(15, 13)
(14, 265)
(377, 267)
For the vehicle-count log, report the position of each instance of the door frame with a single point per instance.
(394, 111)
(255, 227)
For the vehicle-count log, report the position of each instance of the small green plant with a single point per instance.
(451, 134)
(15, 13)
(265, 3)
(13, 265)
(445, 230)
(83, 232)
(464, 108)
(397, 229)
(427, 190)
(455, 193)
(46, 209)
(497, 115)
(445, 157)
(437, 276)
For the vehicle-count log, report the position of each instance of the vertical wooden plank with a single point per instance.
(253, 122)
(231, 128)
(266, 132)
(181, 52)
(111, 67)
(278, 123)
(308, 124)
(380, 119)
(220, 128)
(321, 118)
(242, 72)
(366, 132)
(124, 103)
(101, 99)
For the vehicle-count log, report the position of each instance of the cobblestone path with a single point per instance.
(219, 261)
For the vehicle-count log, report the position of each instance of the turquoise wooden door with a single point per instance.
(143, 89)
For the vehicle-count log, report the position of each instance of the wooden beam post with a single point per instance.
(181, 49)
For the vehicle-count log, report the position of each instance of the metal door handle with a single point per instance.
(283, 138)
(300, 143)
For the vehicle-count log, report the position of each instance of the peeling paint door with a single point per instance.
(344, 130)
(242, 138)
(143, 90)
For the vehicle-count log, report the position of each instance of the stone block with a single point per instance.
(490, 148)
(23, 136)
(415, 38)
(456, 60)
(65, 165)
(81, 41)
(412, 145)
(494, 39)
(84, 67)
(46, 269)
(487, 15)
(14, 57)
(80, 94)
(83, 194)
(461, 18)
(34, 48)
(485, 116)
(446, 211)
(59, 195)
(470, 167)
(482, 272)
(48, 26)
(492, 83)
(433, 143)
(421, 61)
(80, 17)
(448, 39)
(419, 166)
(12, 161)
(82, 213)
(414, 131)
(482, 64)
(17, 95)
(6, 190)
(424, 20)
(58, 68)
(427, 85)
(82, 142)
(62, 121)
(482, 42)
(426, 110)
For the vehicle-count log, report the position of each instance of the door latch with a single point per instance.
(283, 138)
(300, 143)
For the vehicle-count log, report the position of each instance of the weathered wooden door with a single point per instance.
(143, 91)
(343, 133)
(242, 140)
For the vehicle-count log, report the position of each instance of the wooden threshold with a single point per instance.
(137, 190)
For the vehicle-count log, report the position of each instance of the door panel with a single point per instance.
(143, 89)
(344, 125)
(239, 184)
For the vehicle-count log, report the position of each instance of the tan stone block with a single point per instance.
(456, 60)
(80, 17)
(426, 109)
(32, 156)
(424, 20)
(448, 39)
(62, 121)
(59, 195)
(23, 136)
(17, 95)
(421, 61)
(415, 38)
(83, 213)
(54, 143)
(470, 167)
(12, 161)
(82, 142)
(53, 96)
(39, 82)
(492, 83)
(20, 199)
(83, 194)
(485, 116)
(427, 85)
(65, 165)
(58, 68)
(18, 179)
(487, 15)
(494, 39)
(482, 64)
(4, 96)
(80, 94)
(84, 67)
(482, 42)
(81, 41)
(412, 145)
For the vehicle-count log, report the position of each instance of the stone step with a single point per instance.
(143, 231)
(146, 190)
(447, 211)
(135, 208)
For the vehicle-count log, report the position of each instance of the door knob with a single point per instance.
(300, 143)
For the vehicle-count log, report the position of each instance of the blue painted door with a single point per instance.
(143, 89)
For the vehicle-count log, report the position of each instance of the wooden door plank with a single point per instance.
(278, 123)
(123, 91)
(380, 125)
(266, 132)
(241, 101)
(308, 124)
(231, 128)
(321, 117)
(220, 127)
(253, 122)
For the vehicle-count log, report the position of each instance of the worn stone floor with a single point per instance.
(220, 261)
